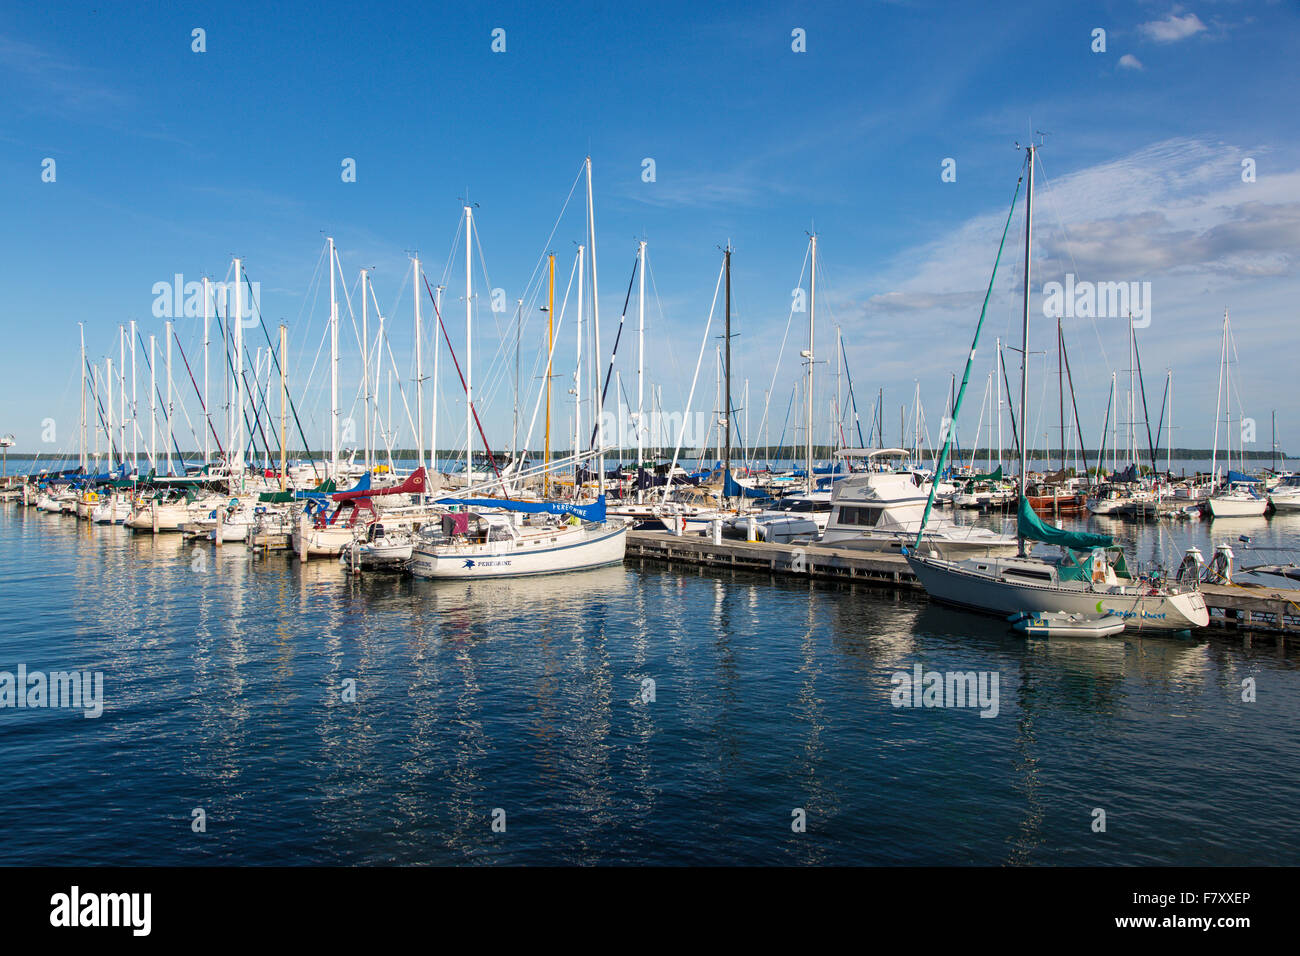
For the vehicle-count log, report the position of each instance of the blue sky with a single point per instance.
(170, 161)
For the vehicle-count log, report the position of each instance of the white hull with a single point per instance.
(573, 551)
(1234, 507)
(949, 583)
(1287, 503)
(947, 546)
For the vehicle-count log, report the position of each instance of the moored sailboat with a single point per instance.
(1090, 577)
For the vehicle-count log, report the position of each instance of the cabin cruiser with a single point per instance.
(883, 510)
(1286, 494)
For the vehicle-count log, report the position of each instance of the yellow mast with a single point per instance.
(550, 345)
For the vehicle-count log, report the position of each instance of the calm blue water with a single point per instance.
(223, 691)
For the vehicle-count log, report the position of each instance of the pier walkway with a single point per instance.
(1232, 607)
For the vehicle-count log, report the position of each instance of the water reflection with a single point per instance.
(225, 681)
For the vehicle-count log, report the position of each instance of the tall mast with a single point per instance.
(469, 346)
(808, 387)
(365, 359)
(577, 375)
(121, 390)
(999, 391)
(1227, 383)
(284, 401)
(550, 350)
(334, 369)
(839, 400)
(1169, 435)
(595, 323)
(419, 372)
(168, 327)
(433, 415)
(726, 408)
(640, 374)
(239, 364)
(81, 327)
(108, 379)
(1060, 387)
(514, 431)
(207, 409)
(1024, 341)
(94, 384)
(153, 406)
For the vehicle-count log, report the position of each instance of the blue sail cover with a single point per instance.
(731, 488)
(592, 512)
(1030, 526)
(1236, 477)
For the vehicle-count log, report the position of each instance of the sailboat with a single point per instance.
(1239, 498)
(505, 537)
(1090, 578)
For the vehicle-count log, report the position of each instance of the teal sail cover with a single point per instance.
(1030, 526)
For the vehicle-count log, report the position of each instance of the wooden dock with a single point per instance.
(1232, 608)
(814, 560)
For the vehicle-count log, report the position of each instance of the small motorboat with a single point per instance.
(1063, 624)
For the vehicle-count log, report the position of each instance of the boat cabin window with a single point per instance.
(803, 505)
(1026, 573)
(866, 517)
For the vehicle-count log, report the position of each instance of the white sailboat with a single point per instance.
(1241, 496)
(1089, 578)
(501, 537)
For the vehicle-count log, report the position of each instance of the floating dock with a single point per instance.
(1232, 607)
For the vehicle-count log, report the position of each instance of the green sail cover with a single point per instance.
(991, 476)
(1030, 526)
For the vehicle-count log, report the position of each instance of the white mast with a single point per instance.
(469, 346)
(1024, 342)
(207, 409)
(334, 369)
(135, 407)
(419, 369)
(595, 320)
(999, 390)
(239, 363)
(108, 378)
(121, 389)
(577, 379)
(168, 327)
(95, 387)
(81, 327)
(812, 324)
(640, 376)
(365, 359)
(266, 446)
(1169, 435)
(153, 406)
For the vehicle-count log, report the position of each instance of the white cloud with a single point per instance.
(1172, 28)
(1175, 214)
(1129, 62)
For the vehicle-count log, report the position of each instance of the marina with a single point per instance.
(764, 436)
